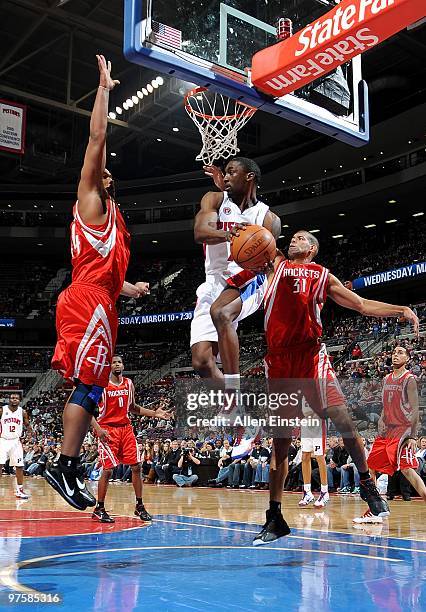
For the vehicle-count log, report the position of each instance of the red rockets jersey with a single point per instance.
(115, 403)
(293, 304)
(397, 412)
(100, 253)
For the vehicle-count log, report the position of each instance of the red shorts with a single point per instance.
(86, 326)
(310, 368)
(388, 455)
(120, 448)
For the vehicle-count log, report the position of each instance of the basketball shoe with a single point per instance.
(370, 494)
(142, 513)
(275, 527)
(64, 481)
(101, 515)
(20, 493)
(368, 517)
(84, 491)
(322, 500)
(307, 499)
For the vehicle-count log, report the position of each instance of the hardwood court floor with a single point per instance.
(197, 553)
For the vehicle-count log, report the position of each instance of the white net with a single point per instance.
(218, 119)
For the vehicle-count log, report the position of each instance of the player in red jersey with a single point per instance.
(86, 317)
(117, 442)
(395, 446)
(297, 290)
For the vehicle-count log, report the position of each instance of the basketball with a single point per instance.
(254, 247)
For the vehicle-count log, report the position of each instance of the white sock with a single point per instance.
(232, 381)
(307, 488)
(324, 488)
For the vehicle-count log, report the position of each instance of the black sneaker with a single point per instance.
(142, 513)
(370, 494)
(101, 515)
(84, 491)
(64, 481)
(274, 528)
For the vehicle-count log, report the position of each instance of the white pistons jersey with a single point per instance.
(11, 423)
(229, 214)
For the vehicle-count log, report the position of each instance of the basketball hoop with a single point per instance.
(218, 119)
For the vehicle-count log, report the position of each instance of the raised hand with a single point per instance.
(414, 320)
(105, 79)
(216, 174)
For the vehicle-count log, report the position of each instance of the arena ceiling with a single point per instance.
(47, 60)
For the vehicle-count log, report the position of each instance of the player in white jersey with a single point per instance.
(12, 420)
(222, 216)
(313, 442)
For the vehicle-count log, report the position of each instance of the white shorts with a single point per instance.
(202, 326)
(12, 450)
(312, 445)
(313, 439)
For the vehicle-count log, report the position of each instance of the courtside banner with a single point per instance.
(12, 127)
(411, 271)
(161, 317)
(350, 28)
(7, 322)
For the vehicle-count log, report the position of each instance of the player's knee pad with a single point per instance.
(86, 396)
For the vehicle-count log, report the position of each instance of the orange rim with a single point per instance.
(247, 110)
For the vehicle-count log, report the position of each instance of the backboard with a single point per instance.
(211, 43)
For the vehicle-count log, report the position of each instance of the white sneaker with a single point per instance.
(306, 499)
(368, 517)
(21, 494)
(322, 500)
(243, 448)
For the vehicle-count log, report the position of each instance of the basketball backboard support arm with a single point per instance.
(136, 50)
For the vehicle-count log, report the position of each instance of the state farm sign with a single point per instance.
(352, 27)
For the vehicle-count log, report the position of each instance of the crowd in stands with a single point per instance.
(208, 462)
(22, 289)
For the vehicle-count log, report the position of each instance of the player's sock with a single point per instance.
(232, 382)
(68, 462)
(324, 488)
(307, 488)
(100, 504)
(275, 507)
(139, 501)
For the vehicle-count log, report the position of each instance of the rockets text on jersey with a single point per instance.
(293, 304)
(397, 412)
(229, 214)
(11, 423)
(100, 253)
(116, 402)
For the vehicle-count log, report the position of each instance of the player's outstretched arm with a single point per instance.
(205, 224)
(158, 413)
(90, 188)
(369, 308)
